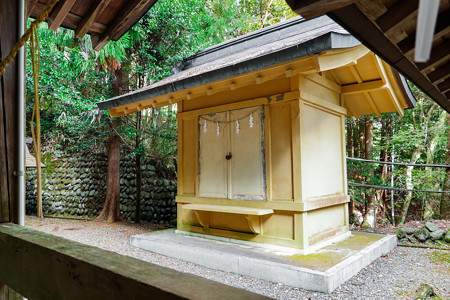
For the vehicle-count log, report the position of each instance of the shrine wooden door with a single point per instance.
(231, 154)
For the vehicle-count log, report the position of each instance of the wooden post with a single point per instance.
(7, 293)
(8, 113)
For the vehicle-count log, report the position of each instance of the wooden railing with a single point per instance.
(42, 266)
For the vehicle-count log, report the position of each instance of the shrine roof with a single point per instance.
(251, 52)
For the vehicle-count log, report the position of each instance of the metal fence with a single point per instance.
(392, 188)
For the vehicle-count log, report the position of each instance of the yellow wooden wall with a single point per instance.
(304, 162)
(305, 102)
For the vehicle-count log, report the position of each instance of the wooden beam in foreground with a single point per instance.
(41, 266)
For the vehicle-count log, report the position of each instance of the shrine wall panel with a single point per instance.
(281, 152)
(325, 223)
(189, 156)
(279, 225)
(321, 152)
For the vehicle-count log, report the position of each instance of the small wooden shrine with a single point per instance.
(261, 131)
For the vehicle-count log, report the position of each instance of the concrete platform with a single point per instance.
(323, 270)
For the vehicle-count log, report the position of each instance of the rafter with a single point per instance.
(398, 15)
(59, 13)
(30, 7)
(334, 76)
(96, 9)
(130, 12)
(442, 28)
(324, 82)
(440, 53)
(355, 74)
(363, 87)
(390, 89)
(441, 73)
(372, 9)
(372, 104)
(71, 19)
(444, 86)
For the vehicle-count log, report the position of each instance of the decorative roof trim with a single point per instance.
(328, 41)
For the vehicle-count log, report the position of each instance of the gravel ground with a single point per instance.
(394, 276)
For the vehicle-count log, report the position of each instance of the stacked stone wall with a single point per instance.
(429, 234)
(76, 186)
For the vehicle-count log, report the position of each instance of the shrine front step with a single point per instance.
(323, 270)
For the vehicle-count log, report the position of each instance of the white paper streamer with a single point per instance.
(250, 121)
(237, 127)
(218, 128)
(204, 126)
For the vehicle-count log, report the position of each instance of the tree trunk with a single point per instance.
(391, 157)
(414, 157)
(355, 133)
(349, 122)
(430, 202)
(384, 169)
(111, 208)
(137, 218)
(117, 85)
(349, 138)
(362, 140)
(409, 185)
(370, 213)
(445, 198)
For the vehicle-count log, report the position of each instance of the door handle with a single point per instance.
(228, 156)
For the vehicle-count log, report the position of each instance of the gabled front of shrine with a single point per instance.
(261, 131)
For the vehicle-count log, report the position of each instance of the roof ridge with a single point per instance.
(250, 35)
(275, 33)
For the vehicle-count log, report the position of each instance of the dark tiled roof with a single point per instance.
(263, 48)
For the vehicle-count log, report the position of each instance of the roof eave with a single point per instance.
(327, 41)
(353, 20)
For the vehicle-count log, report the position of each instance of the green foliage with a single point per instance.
(420, 137)
(158, 135)
(69, 87)
(173, 30)
(73, 77)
